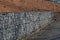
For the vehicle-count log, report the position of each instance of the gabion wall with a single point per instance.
(13, 25)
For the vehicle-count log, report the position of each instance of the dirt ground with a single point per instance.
(27, 5)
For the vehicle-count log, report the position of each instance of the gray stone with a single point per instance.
(13, 25)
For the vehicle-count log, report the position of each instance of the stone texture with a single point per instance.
(51, 33)
(14, 25)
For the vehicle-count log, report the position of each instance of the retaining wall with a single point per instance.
(14, 25)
